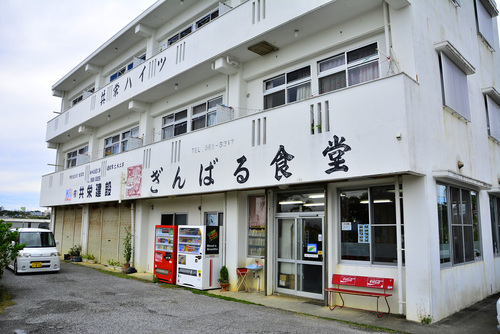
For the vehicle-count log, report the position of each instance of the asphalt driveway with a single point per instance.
(83, 300)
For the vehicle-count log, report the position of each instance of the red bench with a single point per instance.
(362, 282)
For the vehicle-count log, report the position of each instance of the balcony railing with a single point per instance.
(181, 57)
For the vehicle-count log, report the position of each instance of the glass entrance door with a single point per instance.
(300, 256)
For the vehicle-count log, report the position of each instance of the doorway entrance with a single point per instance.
(299, 255)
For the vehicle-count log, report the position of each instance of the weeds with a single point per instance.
(5, 299)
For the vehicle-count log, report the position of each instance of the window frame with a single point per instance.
(200, 22)
(112, 145)
(127, 67)
(118, 142)
(126, 135)
(175, 218)
(347, 67)
(454, 92)
(495, 224)
(178, 122)
(118, 73)
(71, 161)
(256, 236)
(370, 227)
(458, 225)
(203, 119)
(285, 84)
(206, 19)
(492, 115)
(454, 87)
(484, 13)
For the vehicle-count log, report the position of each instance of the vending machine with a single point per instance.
(198, 257)
(165, 253)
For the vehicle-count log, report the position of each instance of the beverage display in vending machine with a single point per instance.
(198, 257)
(165, 253)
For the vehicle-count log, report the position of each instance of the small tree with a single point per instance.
(127, 245)
(8, 250)
(224, 275)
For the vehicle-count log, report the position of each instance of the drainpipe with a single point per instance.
(399, 243)
(132, 230)
(385, 6)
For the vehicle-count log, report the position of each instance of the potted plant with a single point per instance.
(127, 249)
(224, 278)
(74, 253)
(90, 258)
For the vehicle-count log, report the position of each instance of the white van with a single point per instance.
(40, 253)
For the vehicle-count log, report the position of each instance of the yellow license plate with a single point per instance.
(36, 265)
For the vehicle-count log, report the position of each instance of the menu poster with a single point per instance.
(363, 233)
(213, 240)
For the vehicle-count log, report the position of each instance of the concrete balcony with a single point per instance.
(194, 58)
(330, 137)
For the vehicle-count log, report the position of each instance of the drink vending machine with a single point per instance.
(165, 253)
(198, 257)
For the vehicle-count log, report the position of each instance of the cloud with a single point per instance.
(41, 41)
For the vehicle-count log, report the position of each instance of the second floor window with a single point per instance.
(205, 114)
(120, 142)
(288, 87)
(127, 136)
(174, 124)
(77, 157)
(349, 68)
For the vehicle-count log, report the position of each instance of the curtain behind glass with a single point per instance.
(332, 82)
(363, 73)
(300, 92)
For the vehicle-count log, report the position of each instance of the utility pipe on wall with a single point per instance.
(132, 230)
(386, 29)
(399, 244)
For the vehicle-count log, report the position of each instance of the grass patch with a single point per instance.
(5, 299)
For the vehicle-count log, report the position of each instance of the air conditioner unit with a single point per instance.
(86, 94)
(137, 61)
(134, 143)
(224, 113)
(82, 159)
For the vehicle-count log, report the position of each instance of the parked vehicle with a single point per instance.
(498, 313)
(40, 253)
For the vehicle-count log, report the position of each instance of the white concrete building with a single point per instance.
(355, 137)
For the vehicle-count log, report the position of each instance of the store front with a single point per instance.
(300, 229)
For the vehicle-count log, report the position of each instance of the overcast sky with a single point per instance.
(41, 41)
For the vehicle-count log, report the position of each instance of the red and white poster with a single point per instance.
(134, 181)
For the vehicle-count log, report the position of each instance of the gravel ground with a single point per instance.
(84, 300)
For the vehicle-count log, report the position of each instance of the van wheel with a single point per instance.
(15, 268)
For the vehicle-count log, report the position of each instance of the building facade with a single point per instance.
(353, 137)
